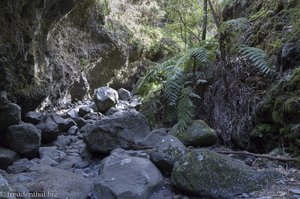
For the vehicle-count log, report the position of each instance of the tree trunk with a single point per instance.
(204, 19)
(217, 22)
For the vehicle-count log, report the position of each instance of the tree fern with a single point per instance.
(173, 78)
(258, 57)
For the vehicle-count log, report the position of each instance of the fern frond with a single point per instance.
(258, 57)
(171, 92)
(185, 109)
(150, 106)
(235, 24)
(170, 114)
(200, 54)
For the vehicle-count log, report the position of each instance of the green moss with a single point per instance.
(276, 117)
(274, 46)
(282, 108)
(203, 170)
(263, 130)
(197, 134)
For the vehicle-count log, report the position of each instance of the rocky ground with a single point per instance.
(103, 148)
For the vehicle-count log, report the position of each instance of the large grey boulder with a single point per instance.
(7, 157)
(25, 139)
(123, 176)
(197, 134)
(208, 174)
(62, 183)
(105, 97)
(120, 130)
(63, 124)
(49, 131)
(167, 149)
(10, 114)
(33, 117)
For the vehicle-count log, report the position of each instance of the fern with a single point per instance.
(151, 105)
(258, 57)
(175, 91)
(185, 108)
(235, 25)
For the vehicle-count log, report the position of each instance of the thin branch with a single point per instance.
(181, 19)
(245, 153)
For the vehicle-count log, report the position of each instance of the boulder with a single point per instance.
(84, 110)
(25, 139)
(120, 130)
(33, 117)
(105, 98)
(167, 149)
(74, 130)
(124, 94)
(51, 152)
(80, 122)
(71, 114)
(123, 176)
(7, 157)
(63, 124)
(5, 189)
(10, 114)
(94, 107)
(135, 102)
(208, 174)
(62, 183)
(49, 131)
(20, 166)
(198, 134)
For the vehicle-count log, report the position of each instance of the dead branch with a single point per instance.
(245, 153)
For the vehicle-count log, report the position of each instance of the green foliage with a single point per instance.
(183, 22)
(167, 90)
(258, 57)
(185, 108)
(235, 24)
(83, 64)
(230, 35)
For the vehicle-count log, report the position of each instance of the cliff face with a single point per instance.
(234, 94)
(46, 46)
(273, 27)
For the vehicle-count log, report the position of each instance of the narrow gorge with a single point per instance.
(140, 99)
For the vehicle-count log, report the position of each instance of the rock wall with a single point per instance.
(278, 116)
(25, 25)
(53, 49)
(232, 97)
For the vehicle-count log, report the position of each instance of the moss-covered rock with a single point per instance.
(278, 117)
(206, 173)
(197, 134)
